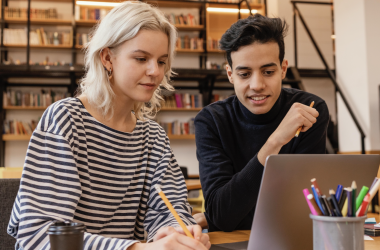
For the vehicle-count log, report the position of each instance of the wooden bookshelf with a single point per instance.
(38, 21)
(181, 109)
(12, 137)
(215, 51)
(189, 50)
(86, 22)
(23, 108)
(39, 46)
(181, 137)
(189, 27)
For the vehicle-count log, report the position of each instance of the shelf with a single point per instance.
(38, 21)
(181, 137)
(215, 51)
(189, 27)
(181, 109)
(189, 50)
(23, 108)
(11, 137)
(86, 22)
(38, 46)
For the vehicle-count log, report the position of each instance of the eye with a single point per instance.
(140, 59)
(268, 72)
(162, 62)
(244, 75)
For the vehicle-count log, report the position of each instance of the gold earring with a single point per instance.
(110, 74)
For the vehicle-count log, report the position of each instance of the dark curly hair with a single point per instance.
(255, 28)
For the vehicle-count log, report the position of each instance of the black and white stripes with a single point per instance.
(79, 169)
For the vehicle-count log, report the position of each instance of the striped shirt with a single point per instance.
(78, 169)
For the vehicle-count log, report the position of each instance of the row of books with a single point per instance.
(189, 43)
(43, 99)
(179, 128)
(183, 101)
(82, 38)
(82, 13)
(188, 19)
(212, 43)
(37, 37)
(15, 127)
(50, 13)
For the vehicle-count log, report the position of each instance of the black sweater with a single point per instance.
(228, 138)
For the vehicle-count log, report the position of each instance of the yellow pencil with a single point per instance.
(345, 208)
(300, 128)
(171, 208)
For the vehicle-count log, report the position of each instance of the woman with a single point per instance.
(95, 159)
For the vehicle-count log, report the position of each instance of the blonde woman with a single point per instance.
(95, 159)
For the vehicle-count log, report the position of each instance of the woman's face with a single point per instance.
(139, 66)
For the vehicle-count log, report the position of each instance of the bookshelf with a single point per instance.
(209, 24)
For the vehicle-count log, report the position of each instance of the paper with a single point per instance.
(366, 237)
(377, 225)
(370, 221)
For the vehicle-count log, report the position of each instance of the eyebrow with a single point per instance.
(147, 53)
(249, 68)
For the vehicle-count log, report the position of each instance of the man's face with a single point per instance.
(257, 75)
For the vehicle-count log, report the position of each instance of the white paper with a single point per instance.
(377, 225)
(366, 237)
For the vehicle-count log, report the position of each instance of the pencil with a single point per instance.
(353, 204)
(300, 128)
(171, 208)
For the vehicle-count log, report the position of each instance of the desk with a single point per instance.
(192, 184)
(243, 235)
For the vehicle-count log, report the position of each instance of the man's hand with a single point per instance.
(175, 238)
(201, 220)
(299, 115)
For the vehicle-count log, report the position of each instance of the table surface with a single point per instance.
(243, 235)
(192, 184)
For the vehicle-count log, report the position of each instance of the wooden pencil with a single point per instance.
(300, 128)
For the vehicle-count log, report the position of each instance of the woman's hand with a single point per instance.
(176, 239)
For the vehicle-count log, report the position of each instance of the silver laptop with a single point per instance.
(281, 218)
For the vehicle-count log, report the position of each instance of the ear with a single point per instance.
(229, 73)
(105, 57)
(284, 68)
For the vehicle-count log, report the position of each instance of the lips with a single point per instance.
(258, 99)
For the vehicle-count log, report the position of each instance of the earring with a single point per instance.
(109, 72)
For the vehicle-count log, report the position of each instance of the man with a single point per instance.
(235, 136)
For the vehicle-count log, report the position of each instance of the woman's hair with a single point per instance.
(122, 24)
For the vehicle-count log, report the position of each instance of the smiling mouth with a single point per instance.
(258, 98)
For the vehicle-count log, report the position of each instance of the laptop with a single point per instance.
(281, 218)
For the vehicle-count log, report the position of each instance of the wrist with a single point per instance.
(137, 246)
(274, 141)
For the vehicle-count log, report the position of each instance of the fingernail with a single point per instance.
(198, 238)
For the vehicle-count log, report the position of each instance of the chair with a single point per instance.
(8, 193)
(197, 203)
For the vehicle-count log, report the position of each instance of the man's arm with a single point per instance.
(230, 197)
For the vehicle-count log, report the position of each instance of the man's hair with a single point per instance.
(253, 29)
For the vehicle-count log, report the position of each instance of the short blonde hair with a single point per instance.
(122, 24)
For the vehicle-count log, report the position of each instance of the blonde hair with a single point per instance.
(122, 24)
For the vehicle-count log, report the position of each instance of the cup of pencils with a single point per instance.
(338, 219)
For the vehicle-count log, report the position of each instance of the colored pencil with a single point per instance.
(364, 206)
(354, 187)
(311, 199)
(327, 204)
(335, 203)
(373, 183)
(312, 208)
(339, 191)
(317, 200)
(361, 196)
(324, 208)
(300, 128)
(316, 186)
(349, 202)
(342, 199)
(373, 191)
(171, 208)
(345, 207)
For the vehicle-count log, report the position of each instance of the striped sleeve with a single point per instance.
(169, 176)
(50, 189)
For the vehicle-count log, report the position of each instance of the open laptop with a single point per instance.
(281, 218)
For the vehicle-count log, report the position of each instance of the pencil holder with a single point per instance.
(338, 232)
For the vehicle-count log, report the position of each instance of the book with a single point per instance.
(371, 230)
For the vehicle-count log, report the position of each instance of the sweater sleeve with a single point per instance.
(169, 177)
(229, 196)
(50, 189)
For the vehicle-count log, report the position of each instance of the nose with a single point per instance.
(153, 69)
(257, 83)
